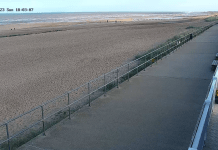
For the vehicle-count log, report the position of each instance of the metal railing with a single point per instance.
(200, 133)
(20, 129)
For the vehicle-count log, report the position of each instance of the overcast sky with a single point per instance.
(112, 5)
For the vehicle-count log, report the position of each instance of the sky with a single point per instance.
(110, 5)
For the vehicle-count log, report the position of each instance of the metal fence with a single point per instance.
(19, 130)
(200, 132)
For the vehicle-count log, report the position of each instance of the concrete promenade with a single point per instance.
(156, 110)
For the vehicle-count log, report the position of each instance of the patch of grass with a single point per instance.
(210, 19)
(110, 86)
(192, 27)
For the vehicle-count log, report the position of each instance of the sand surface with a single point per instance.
(54, 58)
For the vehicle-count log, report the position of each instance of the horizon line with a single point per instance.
(108, 12)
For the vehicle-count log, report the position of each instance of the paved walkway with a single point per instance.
(156, 110)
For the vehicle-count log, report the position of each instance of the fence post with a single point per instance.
(68, 98)
(191, 36)
(43, 122)
(128, 71)
(145, 62)
(89, 93)
(104, 85)
(137, 69)
(166, 50)
(157, 57)
(8, 136)
(117, 78)
(174, 47)
(161, 53)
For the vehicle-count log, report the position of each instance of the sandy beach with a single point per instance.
(41, 61)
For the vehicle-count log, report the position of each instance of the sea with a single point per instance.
(15, 18)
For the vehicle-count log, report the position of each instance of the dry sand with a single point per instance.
(40, 66)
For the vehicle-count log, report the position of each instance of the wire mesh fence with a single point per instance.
(19, 130)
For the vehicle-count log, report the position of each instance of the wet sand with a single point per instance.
(40, 62)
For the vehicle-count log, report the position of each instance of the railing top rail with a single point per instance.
(23, 114)
(77, 88)
(198, 133)
(52, 100)
(96, 79)
(196, 127)
(200, 123)
(3, 124)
